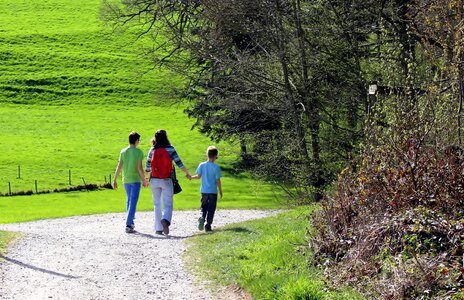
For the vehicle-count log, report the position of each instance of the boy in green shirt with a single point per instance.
(130, 162)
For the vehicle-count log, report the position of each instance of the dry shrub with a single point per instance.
(395, 228)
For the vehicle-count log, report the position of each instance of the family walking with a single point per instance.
(160, 175)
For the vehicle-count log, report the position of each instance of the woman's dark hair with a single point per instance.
(161, 139)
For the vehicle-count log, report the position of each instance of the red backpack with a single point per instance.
(161, 165)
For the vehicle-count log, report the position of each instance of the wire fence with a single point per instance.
(36, 190)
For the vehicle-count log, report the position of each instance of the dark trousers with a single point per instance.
(208, 207)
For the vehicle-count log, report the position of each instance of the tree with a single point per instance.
(391, 212)
(279, 76)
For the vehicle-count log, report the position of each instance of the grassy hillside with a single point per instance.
(70, 92)
(57, 51)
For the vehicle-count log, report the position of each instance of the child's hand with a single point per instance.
(220, 194)
(115, 185)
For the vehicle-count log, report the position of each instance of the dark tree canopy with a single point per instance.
(288, 80)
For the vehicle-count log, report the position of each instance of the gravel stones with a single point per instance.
(91, 257)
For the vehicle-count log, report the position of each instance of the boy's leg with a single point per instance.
(156, 195)
(204, 205)
(127, 190)
(133, 192)
(212, 203)
(203, 211)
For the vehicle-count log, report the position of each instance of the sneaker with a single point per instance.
(201, 223)
(130, 229)
(160, 232)
(165, 224)
(208, 228)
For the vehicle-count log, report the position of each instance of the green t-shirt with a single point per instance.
(130, 158)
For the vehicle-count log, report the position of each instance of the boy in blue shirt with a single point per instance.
(210, 175)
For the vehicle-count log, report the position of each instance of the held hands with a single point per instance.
(193, 177)
(189, 177)
(146, 183)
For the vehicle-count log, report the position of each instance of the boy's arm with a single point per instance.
(116, 174)
(219, 185)
(198, 173)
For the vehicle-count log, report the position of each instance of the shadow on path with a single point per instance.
(20, 263)
(160, 236)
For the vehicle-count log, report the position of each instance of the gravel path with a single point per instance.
(91, 257)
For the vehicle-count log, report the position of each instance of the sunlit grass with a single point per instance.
(5, 238)
(70, 92)
(269, 258)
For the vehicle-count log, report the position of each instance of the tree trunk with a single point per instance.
(312, 170)
(408, 108)
(460, 58)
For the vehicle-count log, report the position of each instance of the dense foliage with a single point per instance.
(394, 226)
(262, 74)
(288, 79)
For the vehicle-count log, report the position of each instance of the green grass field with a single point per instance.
(59, 52)
(86, 140)
(70, 92)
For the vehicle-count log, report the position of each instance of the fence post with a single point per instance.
(9, 188)
(69, 175)
(85, 185)
(36, 187)
(19, 171)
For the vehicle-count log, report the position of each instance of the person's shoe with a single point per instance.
(160, 232)
(165, 224)
(208, 228)
(130, 229)
(201, 223)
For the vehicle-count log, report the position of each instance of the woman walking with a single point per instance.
(160, 170)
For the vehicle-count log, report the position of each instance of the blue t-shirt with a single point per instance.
(210, 172)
